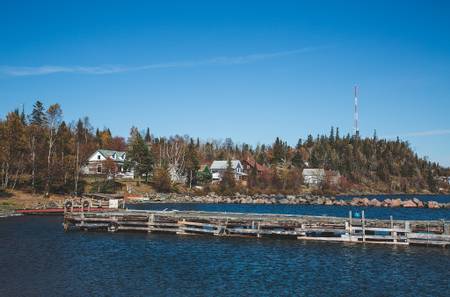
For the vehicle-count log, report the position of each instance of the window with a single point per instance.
(99, 168)
(98, 157)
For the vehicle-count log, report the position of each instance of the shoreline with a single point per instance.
(21, 200)
(308, 199)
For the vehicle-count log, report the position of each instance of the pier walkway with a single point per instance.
(323, 228)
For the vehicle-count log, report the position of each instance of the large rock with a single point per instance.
(374, 202)
(433, 204)
(418, 202)
(386, 203)
(328, 201)
(409, 204)
(396, 202)
(364, 202)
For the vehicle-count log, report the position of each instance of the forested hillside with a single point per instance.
(40, 152)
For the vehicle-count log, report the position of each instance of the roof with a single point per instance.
(110, 153)
(251, 161)
(223, 164)
(313, 171)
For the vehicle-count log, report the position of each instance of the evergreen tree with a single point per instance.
(278, 151)
(204, 176)
(228, 182)
(297, 159)
(331, 137)
(138, 156)
(147, 137)
(38, 116)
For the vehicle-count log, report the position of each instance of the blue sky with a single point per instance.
(250, 71)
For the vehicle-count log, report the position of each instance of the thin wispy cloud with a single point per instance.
(422, 133)
(111, 69)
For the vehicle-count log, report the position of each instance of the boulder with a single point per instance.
(364, 202)
(409, 204)
(375, 203)
(328, 201)
(418, 202)
(396, 202)
(283, 201)
(386, 203)
(319, 201)
(433, 204)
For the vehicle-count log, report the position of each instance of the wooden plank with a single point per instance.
(242, 224)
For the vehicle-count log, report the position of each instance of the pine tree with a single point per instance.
(297, 159)
(147, 137)
(228, 182)
(139, 156)
(38, 116)
(278, 151)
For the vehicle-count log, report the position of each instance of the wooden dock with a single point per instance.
(334, 229)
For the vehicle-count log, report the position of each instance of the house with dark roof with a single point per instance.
(96, 163)
(250, 164)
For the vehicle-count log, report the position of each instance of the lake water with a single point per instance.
(37, 258)
(423, 197)
(316, 210)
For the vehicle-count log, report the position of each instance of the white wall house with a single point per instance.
(219, 167)
(96, 163)
(313, 176)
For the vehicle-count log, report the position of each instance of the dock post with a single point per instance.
(363, 225)
(350, 229)
(446, 229)
(151, 219)
(393, 233)
(259, 229)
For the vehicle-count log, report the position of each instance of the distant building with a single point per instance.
(333, 178)
(249, 164)
(218, 168)
(96, 163)
(313, 176)
(445, 179)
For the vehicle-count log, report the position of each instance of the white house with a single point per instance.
(313, 176)
(96, 162)
(219, 167)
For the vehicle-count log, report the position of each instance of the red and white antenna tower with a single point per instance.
(356, 115)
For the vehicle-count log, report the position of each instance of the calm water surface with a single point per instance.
(38, 259)
(316, 210)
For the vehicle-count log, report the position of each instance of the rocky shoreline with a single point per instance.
(305, 199)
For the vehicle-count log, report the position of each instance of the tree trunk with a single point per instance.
(33, 164)
(77, 170)
(49, 159)
(19, 169)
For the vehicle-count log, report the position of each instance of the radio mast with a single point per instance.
(356, 115)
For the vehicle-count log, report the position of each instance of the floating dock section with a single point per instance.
(323, 228)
